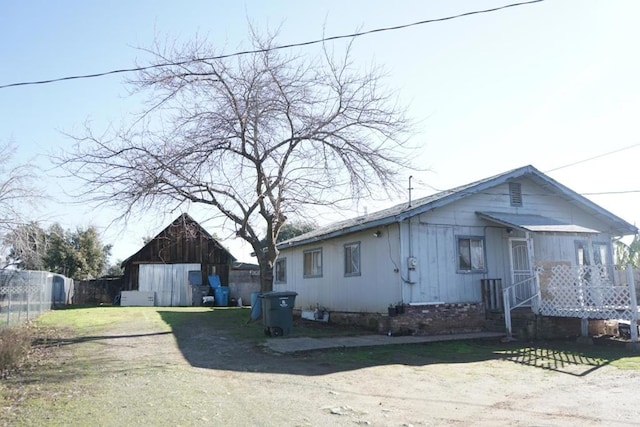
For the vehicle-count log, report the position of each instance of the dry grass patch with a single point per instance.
(15, 343)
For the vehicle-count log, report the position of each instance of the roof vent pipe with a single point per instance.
(410, 188)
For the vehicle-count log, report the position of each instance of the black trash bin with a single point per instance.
(277, 312)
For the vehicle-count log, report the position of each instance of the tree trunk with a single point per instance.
(266, 269)
(266, 276)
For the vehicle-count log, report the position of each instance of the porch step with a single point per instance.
(522, 319)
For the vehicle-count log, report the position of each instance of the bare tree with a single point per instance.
(25, 246)
(17, 191)
(258, 137)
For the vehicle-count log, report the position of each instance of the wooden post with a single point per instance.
(634, 307)
(535, 304)
(9, 306)
(507, 311)
(584, 327)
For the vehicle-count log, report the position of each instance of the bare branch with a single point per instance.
(256, 137)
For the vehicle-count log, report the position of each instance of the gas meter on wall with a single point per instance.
(412, 262)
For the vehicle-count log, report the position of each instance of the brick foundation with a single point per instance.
(442, 319)
(435, 319)
(557, 327)
(430, 319)
(532, 327)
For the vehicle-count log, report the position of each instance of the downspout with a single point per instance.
(584, 321)
(402, 260)
(405, 259)
(409, 259)
(532, 271)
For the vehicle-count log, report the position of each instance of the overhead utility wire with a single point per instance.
(592, 158)
(287, 46)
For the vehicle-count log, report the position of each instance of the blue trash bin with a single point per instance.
(256, 306)
(221, 295)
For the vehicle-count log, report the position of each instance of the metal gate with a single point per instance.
(520, 271)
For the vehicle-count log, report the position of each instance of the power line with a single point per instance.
(592, 158)
(608, 193)
(287, 46)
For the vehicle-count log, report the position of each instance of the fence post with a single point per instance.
(535, 304)
(9, 306)
(634, 305)
(507, 311)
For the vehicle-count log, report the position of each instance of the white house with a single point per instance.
(435, 251)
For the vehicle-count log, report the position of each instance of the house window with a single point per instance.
(312, 263)
(600, 253)
(281, 270)
(582, 253)
(471, 256)
(352, 259)
(515, 193)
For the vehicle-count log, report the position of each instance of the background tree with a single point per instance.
(17, 191)
(60, 256)
(26, 246)
(115, 269)
(79, 254)
(295, 228)
(257, 137)
(628, 254)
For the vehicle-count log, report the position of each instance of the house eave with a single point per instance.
(534, 223)
(337, 233)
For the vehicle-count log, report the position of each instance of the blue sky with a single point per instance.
(548, 84)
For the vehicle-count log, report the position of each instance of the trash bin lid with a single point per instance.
(277, 294)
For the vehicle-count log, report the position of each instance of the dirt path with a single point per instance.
(139, 373)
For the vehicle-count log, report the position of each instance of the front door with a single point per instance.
(520, 271)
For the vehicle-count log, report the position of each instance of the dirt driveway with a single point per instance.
(167, 368)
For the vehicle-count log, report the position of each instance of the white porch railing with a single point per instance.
(512, 298)
(584, 292)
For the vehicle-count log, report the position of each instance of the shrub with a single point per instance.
(15, 343)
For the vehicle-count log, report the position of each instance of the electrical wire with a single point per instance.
(287, 46)
(593, 158)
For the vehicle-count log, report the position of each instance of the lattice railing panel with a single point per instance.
(26, 288)
(585, 292)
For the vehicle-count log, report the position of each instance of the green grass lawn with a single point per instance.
(235, 322)
(76, 371)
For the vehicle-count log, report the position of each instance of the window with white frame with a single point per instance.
(600, 253)
(471, 256)
(352, 259)
(312, 263)
(280, 274)
(582, 253)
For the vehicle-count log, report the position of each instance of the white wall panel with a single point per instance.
(169, 281)
(431, 238)
(373, 290)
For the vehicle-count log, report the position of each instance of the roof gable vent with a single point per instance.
(515, 193)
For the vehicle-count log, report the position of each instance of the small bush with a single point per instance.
(15, 343)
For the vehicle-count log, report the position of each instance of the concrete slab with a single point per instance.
(300, 344)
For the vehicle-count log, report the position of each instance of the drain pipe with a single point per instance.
(410, 260)
(402, 259)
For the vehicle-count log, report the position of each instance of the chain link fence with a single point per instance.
(25, 295)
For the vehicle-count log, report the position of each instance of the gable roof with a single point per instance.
(405, 210)
(184, 220)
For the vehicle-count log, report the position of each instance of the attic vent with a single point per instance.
(515, 193)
